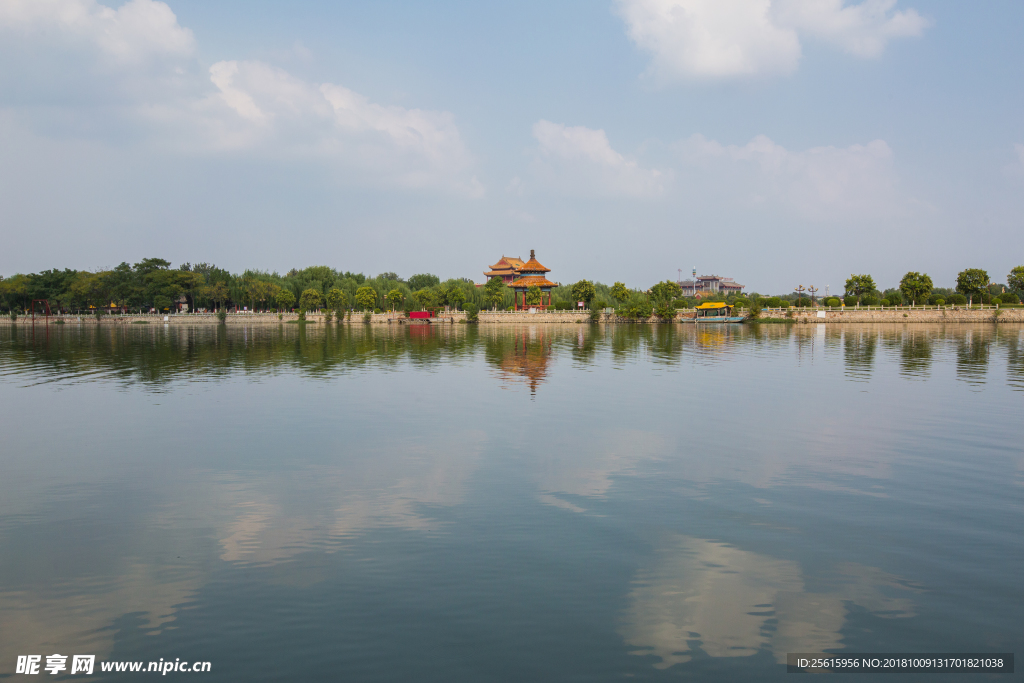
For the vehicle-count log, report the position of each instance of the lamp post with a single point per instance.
(812, 290)
(799, 292)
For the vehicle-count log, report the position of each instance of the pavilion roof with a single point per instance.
(533, 266)
(530, 281)
(506, 262)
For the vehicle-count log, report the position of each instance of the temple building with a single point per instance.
(710, 284)
(507, 268)
(530, 274)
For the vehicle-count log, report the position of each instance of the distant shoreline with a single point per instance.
(796, 316)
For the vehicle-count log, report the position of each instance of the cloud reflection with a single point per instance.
(727, 602)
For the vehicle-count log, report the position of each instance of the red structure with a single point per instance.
(531, 274)
(46, 306)
(415, 315)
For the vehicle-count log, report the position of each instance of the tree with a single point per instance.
(285, 298)
(971, 283)
(423, 280)
(424, 297)
(533, 295)
(619, 291)
(666, 291)
(366, 297)
(456, 296)
(859, 285)
(494, 291)
(309, 300)
(336, 299)
(915, 286)
(583, 291)
(394, 298)
(1016, 280)
(219, 293)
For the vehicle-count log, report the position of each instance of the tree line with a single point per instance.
(153, 285)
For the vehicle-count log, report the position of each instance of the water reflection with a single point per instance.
(972, 353)
(915, 348)
(859, 345)
(520, 354)
(726, 602)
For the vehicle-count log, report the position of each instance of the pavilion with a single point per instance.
(532, 273)
(507, 268)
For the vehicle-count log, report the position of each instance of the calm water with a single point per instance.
(563, 503)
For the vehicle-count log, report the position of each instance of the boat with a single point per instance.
(716, 312)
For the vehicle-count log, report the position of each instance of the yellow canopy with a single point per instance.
(713, 304)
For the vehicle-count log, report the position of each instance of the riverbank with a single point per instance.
(798, 316)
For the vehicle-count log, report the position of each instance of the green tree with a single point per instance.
(424, 297)
(859, 285)
(1015, 280)
(366, 298)
(583, 291)
(456, 296)
(309, 300)
(285, 298)
(423, 281)
(336, 299)
(494, 291)
(533, 295)
(394, 298)
(619, 291)
(971, 283)
(665, 291)
(218, 292)
(915, 286)
(636, 308)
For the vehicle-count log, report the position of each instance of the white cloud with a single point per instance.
(581, 160)
(821, 183)
(710, 38)
(237, 106)
(130, 34)
(739, 38)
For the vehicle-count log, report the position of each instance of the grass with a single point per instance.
(140, 322)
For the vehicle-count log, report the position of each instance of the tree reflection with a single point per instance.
(859, 346)
(915, 348)
(972, 352)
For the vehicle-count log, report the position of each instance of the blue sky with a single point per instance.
(780, 142)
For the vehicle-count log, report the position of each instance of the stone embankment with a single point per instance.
(931, 315)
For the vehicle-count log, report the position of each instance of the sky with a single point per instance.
(777, 142)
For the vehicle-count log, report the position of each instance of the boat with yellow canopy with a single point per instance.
(716, 312)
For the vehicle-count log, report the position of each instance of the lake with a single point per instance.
(509, 503)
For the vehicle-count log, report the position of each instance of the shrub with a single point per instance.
(635, 309)
(939, 301)
(885, 302)
(754, 310)
(222, 315)
(302, 315)
(934, 299)
(377, 310)
(850, 300)
(957, 299)
(14, 315)
(1009, 298)
(328, 316)
(773, 302)
(869, 300)
(595, 314)
(784, 304)
(367, 318)
(680, 303)
(833, 301)
(472, 312)
(803, 302)
(280, 316)
(665, 311)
